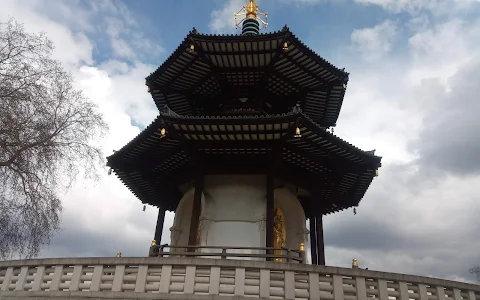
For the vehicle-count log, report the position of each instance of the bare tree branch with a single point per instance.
(476, 270)
(48, 133)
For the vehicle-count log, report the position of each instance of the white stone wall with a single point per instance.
(233, 213)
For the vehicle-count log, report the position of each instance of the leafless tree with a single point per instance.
(49, 133)
(476, 270)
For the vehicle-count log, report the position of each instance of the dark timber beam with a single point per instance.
(159, 228)
(313, 241)
(269, 210)
(298, 63)
(197, 205)
(320, 243)
(327, 102)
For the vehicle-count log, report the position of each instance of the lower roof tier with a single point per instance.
(174, 150)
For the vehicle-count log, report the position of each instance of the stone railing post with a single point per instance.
(36, 285)
(264, 283)
(361, 288)
(214, 288)
(77, 273)
(422, 291)
(337, 287)
(7, 279)
(141, 279)
(289, 285)
(21, 279)
(239, 282)
(314, 286)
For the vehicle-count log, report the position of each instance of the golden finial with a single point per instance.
(302, 247)
(354, 263)
(119, 254)
(154, 243)
(251, 11)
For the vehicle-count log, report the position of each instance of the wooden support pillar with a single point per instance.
(320, 244)
(313, 241)
(269, 211)
(159, 228)
(196, 209)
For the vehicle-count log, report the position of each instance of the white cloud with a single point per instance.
(437, 7)
(222, 20)
(374, 43)
(417, 107)
(72, 49)
(437, 52)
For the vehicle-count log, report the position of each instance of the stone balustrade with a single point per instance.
(197, 278)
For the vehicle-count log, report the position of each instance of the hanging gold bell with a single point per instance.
(297, 133)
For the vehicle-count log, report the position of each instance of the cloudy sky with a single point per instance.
(412, 95)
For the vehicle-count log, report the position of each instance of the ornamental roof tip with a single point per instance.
(166, 111)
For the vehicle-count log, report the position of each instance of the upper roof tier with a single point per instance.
(269, 73)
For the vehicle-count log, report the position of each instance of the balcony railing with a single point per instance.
(254, 253)
(196, 278)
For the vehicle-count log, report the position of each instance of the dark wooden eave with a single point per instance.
(221, 69)
(152, 166)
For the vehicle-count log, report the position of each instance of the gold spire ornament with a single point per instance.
(251, 11)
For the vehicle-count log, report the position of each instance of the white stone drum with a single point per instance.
(234, 212)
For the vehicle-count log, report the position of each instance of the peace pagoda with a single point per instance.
(243, 151)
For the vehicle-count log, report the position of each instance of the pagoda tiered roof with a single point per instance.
(234, 104)
(153, 165)
(272, 72)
